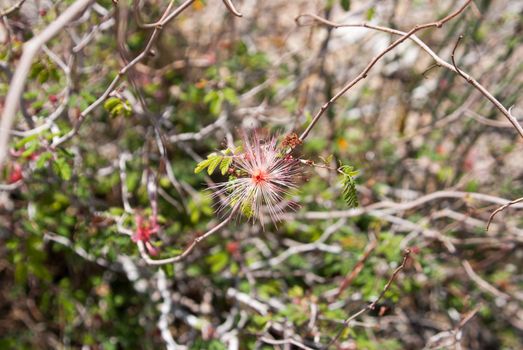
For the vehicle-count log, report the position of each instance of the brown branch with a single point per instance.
(358, 267)
(471, 81)
(452, 57)
(230, 6)
(288, 341)
(451, 337)
(439, 62)
(158, 26)
(503, 207)
(371, 306)
(389, 207)
(191, 246)
(365, 72)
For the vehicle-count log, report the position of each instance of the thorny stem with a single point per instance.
(365, 72)
(452, 56)
(371, 306)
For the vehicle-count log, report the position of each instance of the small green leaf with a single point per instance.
(230, 95)
(42, 160)
(246, 208)
(31, 148)
(25, 140)
(218, 261)
(215, 161)
(202, 165)
(43, 76)
(345, 4)
(116, 107)
(226, 163)
(370, 13)
(349, 192)
(63, 169)
(111, 103)
(216, 105)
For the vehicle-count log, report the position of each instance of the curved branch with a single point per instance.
(191, 246)
(440, 62)
(230, 6)
(393, 207)
(503, 207)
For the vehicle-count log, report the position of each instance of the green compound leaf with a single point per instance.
(222, 159)
(202, 165)
(349, 192)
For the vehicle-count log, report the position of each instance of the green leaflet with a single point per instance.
(350, 195)
(222, 159)
(226, 163)
(116, 107)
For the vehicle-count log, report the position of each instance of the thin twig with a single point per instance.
(288, 341)
(389, 207)
(503, 207)
(448, 338)
(365, 71)
(165, 312)
(372, 305)
(165, 18)
(452, 57)
(506, 112)
(358, 267)
(191, 246)
(158, 26)
(230, 6)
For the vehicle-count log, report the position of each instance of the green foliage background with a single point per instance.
(64, 265)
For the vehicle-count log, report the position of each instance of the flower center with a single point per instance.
(259, 176)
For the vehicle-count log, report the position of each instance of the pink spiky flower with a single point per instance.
(263, 173)
(144, 230)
